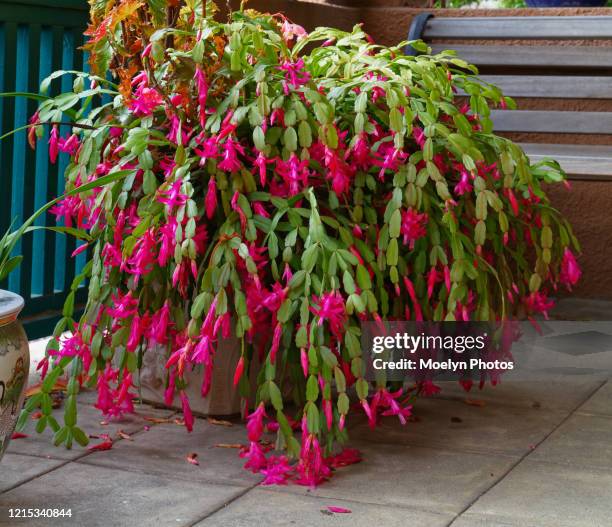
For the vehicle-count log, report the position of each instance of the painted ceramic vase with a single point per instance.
(14, 365)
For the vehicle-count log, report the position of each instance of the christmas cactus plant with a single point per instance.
(283, 187)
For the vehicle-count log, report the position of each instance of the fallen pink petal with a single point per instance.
(338, 510)
(193, 459)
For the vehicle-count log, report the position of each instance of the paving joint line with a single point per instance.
(66, 462)
(418, 508)
(214, 511)
(527, 454)
(35, 476)
(37, 456)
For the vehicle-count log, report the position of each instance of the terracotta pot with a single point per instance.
(14, 365)
(222, 399)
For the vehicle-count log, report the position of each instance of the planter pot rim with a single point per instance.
(11, 305)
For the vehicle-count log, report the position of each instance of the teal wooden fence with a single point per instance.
(36, 38)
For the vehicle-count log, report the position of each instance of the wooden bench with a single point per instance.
(545, 71)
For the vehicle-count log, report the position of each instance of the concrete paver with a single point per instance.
(583, 440)
(276, 509)
(521, 454)
(547, 495)
(551, 392)
(163, 450)
(600, 403)
(99, 496)
(455, 425)
(17, 469)
(425, 478)
(91, 421)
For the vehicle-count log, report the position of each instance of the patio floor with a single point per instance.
(522, 453)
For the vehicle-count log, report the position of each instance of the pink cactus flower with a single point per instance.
(277, 471)
(415, 301)
(209, 149)
(176, 127)
(361, 152)
(69, 144)
(256, 457)
(124, 306)
(428, 388)
(447, 278)
(276, 339)
(210, 202)
(538, 302)
(202, 93)
(261, 163)
(433, 277)
(304, 361)
(513, 201)
(187, 414)
(413, 226)
(338, 171)
(255, 426)
(570, 270)
(239, 371)
(143, 255)
(137, 329)
(384, 399)
(464, 186)
(291, 31)
(115, 402)
(160, 325)
(295, 75)
(348, 456)
(145, 101)
(238, 209)
(294, 172)
(330, 307)
(53, 144)
(230, 162)
(167, 238)
(312, 469)
(173, 197)
(259, 209)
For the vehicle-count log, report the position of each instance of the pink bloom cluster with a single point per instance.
(276, 202)
(312, 468)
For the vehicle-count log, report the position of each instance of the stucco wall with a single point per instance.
(388, 20)
(588, 205)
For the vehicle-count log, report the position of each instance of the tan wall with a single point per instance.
(388, 25)
(588, 205)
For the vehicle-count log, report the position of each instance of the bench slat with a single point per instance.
(579, 161)
(532, 56)
(530, 28)
(502, 65)
(553, 86)
(552, 122)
